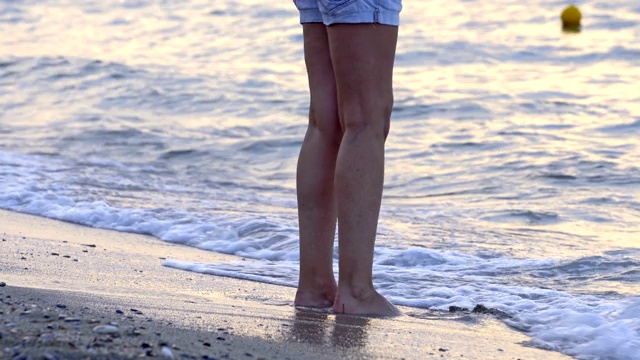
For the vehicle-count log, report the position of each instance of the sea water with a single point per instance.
(512, 167)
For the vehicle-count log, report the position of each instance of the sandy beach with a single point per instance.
(73, 292)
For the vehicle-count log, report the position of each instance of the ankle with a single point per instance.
(357, 292)
(318, 285)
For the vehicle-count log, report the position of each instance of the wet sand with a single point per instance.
(73, 292)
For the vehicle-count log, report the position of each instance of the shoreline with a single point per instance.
(64, 280)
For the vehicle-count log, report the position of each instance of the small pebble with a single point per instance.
(145, 345)
(66, 256)
(119, 311)
(206, 344)
(442, 349)
(55, 254)
(220, 338)
(70, 320)
(167, 353)
(105, 329)
(61, 306)
(2, 284)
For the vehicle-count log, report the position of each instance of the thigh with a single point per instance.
(362, 57)
(322, 85)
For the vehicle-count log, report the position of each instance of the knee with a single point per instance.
(375, 117)
(325, 122)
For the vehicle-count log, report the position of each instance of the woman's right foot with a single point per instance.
(369, 303)
(315, 297)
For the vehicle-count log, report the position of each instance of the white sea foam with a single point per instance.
(34, 185)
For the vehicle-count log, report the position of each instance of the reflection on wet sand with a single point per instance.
(316, 327)
(350, 331)
(309, 326)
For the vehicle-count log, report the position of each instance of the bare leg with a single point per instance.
(362, 56)
(316, 199)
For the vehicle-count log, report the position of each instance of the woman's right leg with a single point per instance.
(315, 174)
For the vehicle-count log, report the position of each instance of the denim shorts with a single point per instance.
(330, 12)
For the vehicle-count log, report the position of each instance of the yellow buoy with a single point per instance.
(571, 17)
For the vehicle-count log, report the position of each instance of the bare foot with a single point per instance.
(315, 297)
(369, 303)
